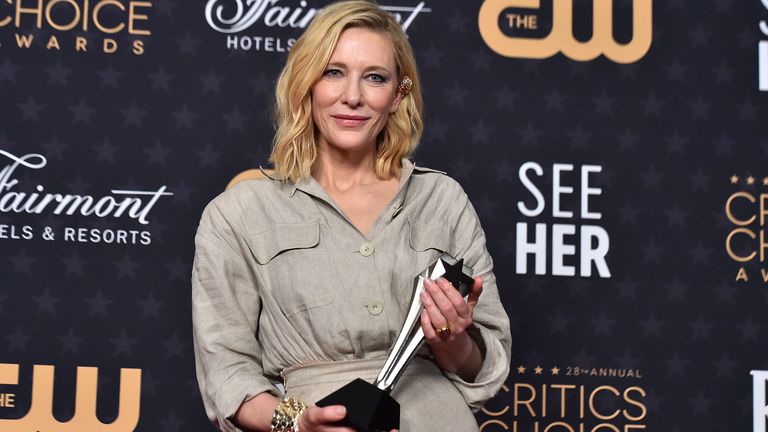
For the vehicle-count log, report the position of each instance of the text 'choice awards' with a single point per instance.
(77, 25)
(746, 241)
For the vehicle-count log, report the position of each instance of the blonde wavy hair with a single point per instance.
(294, 150)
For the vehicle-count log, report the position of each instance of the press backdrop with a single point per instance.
(618, 166)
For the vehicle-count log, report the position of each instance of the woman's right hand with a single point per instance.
(322, 419)
(317, 419)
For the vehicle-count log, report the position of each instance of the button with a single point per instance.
(375, 307)
(366, 249)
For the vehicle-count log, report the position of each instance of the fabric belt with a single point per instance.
(330, 373)
(429, 402)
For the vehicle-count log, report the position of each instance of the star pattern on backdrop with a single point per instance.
(669, 131)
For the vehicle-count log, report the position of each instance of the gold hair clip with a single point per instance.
(405, 85)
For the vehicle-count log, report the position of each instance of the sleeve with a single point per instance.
(225, 316)
(490, 321)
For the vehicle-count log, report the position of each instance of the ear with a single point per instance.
(396, 102)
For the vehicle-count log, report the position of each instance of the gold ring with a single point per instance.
(444, 330)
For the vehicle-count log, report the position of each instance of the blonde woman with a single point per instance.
(304, 278)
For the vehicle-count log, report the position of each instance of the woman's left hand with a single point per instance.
(445, 309)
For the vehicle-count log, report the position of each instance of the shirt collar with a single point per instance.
(312, 187)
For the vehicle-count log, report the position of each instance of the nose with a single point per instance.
(352, 94)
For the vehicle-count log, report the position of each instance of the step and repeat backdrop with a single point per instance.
(616, 152)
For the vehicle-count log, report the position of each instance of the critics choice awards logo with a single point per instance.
(575, 244)
(568, 399)
(747, 213)
(40, 416)
(234, 17)
(513, 28)
(103, 26)
(119, 204)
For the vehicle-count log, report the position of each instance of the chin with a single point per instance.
(349, 143)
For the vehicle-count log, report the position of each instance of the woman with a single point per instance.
(305, 277)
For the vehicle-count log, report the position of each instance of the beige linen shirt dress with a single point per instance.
(286, 290)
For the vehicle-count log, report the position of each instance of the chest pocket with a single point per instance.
(292, 265)
(434, 236)
(427, 242)
(276, 239)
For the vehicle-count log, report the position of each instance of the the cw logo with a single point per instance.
(40, 416)
(561, 38)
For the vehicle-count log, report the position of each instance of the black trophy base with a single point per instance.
(369, 409)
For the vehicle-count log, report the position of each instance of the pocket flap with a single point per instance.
(424, 236)
(275, 239)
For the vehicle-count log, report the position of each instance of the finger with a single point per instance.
(332, 429)
(337, 429)
(427, 327)
(443, 305)
(475, 291)
(454, 296)
(315, 415)
(324, 419)
(436, 316)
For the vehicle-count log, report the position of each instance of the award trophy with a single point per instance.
(370, 408)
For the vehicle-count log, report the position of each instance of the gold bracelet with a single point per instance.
(286, 415)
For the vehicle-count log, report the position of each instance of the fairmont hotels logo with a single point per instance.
(118, 204)
(265, 25)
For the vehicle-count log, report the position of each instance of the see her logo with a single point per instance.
(760, 410)
(569, 245)
(763, 54)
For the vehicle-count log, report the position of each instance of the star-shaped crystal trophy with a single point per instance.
(370, 407)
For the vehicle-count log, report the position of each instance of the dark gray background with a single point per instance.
(668, 131)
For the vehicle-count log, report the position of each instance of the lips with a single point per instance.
(347, 120)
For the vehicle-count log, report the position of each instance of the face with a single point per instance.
(357, 92)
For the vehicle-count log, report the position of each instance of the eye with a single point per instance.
(333, 73)
(377, 78)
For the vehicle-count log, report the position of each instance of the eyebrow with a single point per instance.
(373, 67)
